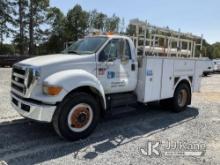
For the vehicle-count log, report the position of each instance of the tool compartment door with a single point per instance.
(167, 79)
(153, 73)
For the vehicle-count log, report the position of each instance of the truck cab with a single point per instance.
(98, 65)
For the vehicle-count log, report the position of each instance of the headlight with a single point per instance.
(51, 90)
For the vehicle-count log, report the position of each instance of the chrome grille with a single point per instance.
(18, 80)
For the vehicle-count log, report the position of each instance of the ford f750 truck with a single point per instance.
(73, 90)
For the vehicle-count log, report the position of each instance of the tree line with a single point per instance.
(36, 28)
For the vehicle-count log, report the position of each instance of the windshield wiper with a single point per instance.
(73, 51)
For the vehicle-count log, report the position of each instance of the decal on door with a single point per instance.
(110, 75)
(102, 71)
(149, 72)
(118, 84)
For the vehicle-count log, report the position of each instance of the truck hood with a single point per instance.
(57, 59)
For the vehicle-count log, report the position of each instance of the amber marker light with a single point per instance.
(52, 90)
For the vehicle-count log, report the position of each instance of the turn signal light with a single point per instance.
(52, 90)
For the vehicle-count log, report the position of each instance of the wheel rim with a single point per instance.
(182, 98)
(80, 117)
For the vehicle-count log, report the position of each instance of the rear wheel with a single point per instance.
(167, 103)
(76, 117)
(182, 98)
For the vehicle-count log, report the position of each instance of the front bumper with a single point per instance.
(38, 112)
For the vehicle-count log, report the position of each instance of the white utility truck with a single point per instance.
(74, 89)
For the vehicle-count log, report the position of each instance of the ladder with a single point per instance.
(157, 41)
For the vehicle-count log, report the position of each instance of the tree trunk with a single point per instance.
(1, 41)
(21, 24)
(31, 29)
(1, 38)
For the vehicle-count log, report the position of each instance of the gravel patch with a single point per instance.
(117, 140)
(6, 111)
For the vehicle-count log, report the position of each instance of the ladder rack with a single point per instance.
(157, 41)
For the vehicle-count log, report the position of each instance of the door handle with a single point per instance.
(133, 67)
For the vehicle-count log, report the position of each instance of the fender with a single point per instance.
(183, 78)
(70, 80)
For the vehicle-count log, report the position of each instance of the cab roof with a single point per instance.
(111, 36)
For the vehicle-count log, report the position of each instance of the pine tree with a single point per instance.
(21, 18)
(6, 19)
(37, 16)
(112, 24)
(97, 20)
(56, 20)
(76, 23)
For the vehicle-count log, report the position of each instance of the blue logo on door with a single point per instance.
(111, 75)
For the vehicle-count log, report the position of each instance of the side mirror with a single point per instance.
(106, 57)
(103, 57)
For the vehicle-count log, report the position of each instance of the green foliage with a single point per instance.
(37, 16)
(216, 50)
(31, 16)
(56, 20)
(6, 12)
(76, 23)
(21, 22)
(7, 49)
(112, 24)
(100, 21)
(211, 51)
(97, 20)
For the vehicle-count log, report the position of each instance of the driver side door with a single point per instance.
(113, 68)
(108, 65)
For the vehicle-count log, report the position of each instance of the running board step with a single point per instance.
(123, 99)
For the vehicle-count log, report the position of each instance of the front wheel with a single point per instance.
(182, 98)
(76, 117)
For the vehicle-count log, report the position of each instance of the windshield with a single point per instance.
(87, 45)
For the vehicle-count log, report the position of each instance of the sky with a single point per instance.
(196, 16)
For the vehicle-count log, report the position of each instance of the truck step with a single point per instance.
(123, 99)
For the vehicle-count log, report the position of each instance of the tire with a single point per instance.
(167, 103)
(76, 117)
(152, 104)
(182, 97)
